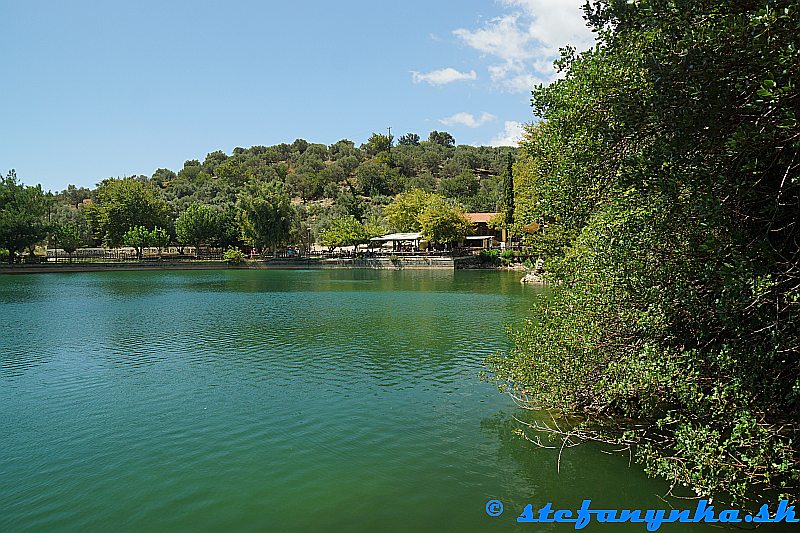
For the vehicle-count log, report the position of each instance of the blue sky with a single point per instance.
(95, 89)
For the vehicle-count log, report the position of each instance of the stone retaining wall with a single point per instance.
(376, 263)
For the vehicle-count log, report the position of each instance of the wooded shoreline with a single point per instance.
(378, 263)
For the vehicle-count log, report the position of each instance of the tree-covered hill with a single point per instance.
(322, 183)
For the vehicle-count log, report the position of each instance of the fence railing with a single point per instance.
(124, 256)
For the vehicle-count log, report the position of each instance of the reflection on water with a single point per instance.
(272, 400)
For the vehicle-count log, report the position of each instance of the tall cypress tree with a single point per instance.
(508, 191)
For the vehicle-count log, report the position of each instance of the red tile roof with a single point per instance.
(480, 217)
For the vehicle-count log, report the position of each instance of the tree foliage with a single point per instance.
(137, 237)
(344, 231)
(409, 139)
(508, 192)
(265, 214)
(68, 237)
(443, 222)
(671, 151)
(403, 213)
(23, 215)
(123, 204)
(371, 179)
(442, 138)
(438, 219)
(159, 238)
(198, 224)
(233, 255)
(378, 143)
(462, 186)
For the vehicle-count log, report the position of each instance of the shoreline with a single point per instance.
(404, 263)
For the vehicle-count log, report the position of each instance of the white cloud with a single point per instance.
(443, 76)
(468, 120)
(526, 42)
(555, 23)
(502, 37)
(520, 83)
(510, 136)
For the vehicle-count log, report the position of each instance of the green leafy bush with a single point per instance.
(138, 237)
(233, 255)
(673, 326)
(490, 254)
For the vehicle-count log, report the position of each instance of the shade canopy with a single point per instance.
(399, 237)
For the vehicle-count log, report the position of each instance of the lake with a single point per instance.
(256, 400)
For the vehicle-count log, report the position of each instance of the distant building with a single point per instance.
(484, 235)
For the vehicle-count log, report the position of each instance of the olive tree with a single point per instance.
(265, 214)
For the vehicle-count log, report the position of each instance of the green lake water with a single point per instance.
(276, 401)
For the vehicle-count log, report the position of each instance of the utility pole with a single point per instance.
(390, 138)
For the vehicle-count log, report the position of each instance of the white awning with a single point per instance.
(399, 237)
(480, 237)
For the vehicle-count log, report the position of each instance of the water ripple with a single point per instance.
(254, 400)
